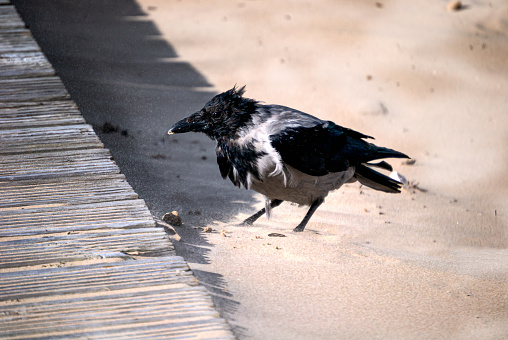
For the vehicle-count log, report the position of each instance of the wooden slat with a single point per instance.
(14, 115)
(110, 276)
(52, 164)
(63, 204)
(65, 191)
(24, 64)
(60, 250)
(9, 18)
(31, 140)
(32, 89)
(167, 310)
(17, 41)
(69, 218)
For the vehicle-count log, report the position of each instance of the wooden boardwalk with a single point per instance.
(80, 255)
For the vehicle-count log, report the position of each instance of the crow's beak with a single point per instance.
(187, 125)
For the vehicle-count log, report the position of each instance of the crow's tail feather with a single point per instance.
(380, 152)
(376, 180)
(381, 165)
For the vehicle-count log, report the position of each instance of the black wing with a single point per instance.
(320, 149)
(326, 147)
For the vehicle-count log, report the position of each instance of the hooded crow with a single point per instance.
(286, 154)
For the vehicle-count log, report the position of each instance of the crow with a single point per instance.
(286, 154)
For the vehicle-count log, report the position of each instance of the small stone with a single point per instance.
(454, 6)
(172, 219)
(276, 235)
(207, 229)
(107, 127)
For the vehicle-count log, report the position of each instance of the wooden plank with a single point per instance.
(59, 281)
(62, 209)
(31, 140)
(19, 40)
(70, 218)
(24, 65)
(32, 89)
(167, 310)
(60, 250)
(53, 164)
(14, 115)
(105, 305)
(65, 191)
(9, 18)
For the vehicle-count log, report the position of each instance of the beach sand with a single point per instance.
(429, 263)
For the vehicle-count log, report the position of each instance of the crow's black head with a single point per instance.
(222, 116)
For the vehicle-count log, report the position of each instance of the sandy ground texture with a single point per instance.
(430, 263)
(430, 82)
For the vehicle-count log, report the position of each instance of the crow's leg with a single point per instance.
(309, 214)
(253, 218)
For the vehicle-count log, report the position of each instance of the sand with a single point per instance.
(422, 79)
